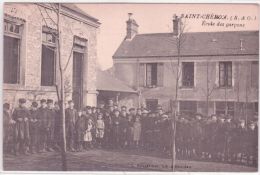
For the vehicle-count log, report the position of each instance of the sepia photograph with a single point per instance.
(130, 87)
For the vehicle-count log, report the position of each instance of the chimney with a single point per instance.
(176, 23)
(131, 27)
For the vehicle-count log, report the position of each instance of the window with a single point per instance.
(187, 74)
(151, 74)
(48, 63)
(225, 74)
(225, 108)
(12, 40)
(254, 74)
(151, 104)
(188, 108)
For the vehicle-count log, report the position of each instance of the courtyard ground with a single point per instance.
(107, 160)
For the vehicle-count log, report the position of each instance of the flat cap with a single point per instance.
(43, 101)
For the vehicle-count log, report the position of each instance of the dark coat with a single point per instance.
(70, 120)
(42, 117)
(80, 128)
(21, 116)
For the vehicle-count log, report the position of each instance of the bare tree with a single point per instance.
(210, 87)
(61, 86)
(176, 69)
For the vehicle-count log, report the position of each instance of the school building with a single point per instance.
(30, 61)
(218, 70)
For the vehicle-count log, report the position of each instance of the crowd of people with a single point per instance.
(215, 138)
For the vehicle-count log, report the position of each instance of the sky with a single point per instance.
(157, 18)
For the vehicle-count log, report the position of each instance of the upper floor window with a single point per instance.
(225, 74)
(188, 74)
(151, 74)
(12, 43)
(48, 62)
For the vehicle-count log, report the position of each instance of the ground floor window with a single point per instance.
(151, 104)
(224, 108)
(188, 108)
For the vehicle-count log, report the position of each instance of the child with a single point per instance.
(137, 131)
(100, 126)
(88, 134)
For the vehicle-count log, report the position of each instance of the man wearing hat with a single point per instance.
(34, 128)
(51, 123)
(21, 116)
(123, 128)
(143, 127)
(123, 108)
(251, 144)
(116, 129)
(42, 117)
(70, 119)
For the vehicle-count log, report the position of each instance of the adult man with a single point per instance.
(123, 128)
(50, 128)
(211, 133)
(130, 125)
(197, 135)
(251, 144)
(70, 119)
(228, 127)
(123, 108)
(57, 127)
(8, 133)
(116, 129)
(42, 117)
(34, 128)
(21, 116)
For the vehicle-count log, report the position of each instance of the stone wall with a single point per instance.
(31, 54)
(241, 73)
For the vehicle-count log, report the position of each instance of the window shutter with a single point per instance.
(233, 73)
(217, 74)
(142, 75)
(160, 77)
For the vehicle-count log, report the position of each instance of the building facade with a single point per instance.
(30, 61)
(218, 71)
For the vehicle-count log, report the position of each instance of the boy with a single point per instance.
(100, 126)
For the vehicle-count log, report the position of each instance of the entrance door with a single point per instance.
(77, 79)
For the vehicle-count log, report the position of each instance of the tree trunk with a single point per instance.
(62, 104)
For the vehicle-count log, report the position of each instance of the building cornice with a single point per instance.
(194, 58)
(71, 14)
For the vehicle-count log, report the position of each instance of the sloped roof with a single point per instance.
(195, 44)
(77, 10)
(106, 82)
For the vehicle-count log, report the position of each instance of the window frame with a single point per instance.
(228, 76)
(52, 46)
(153, 80)
(151, 100)
(188, 112)
(229, 112)
(182, 77)
(17, 36)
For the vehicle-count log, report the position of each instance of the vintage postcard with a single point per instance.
(130, 87)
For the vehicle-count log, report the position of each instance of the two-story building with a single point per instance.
(30, 61)
(218, 70)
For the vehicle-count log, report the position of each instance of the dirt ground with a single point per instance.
(107, 160)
